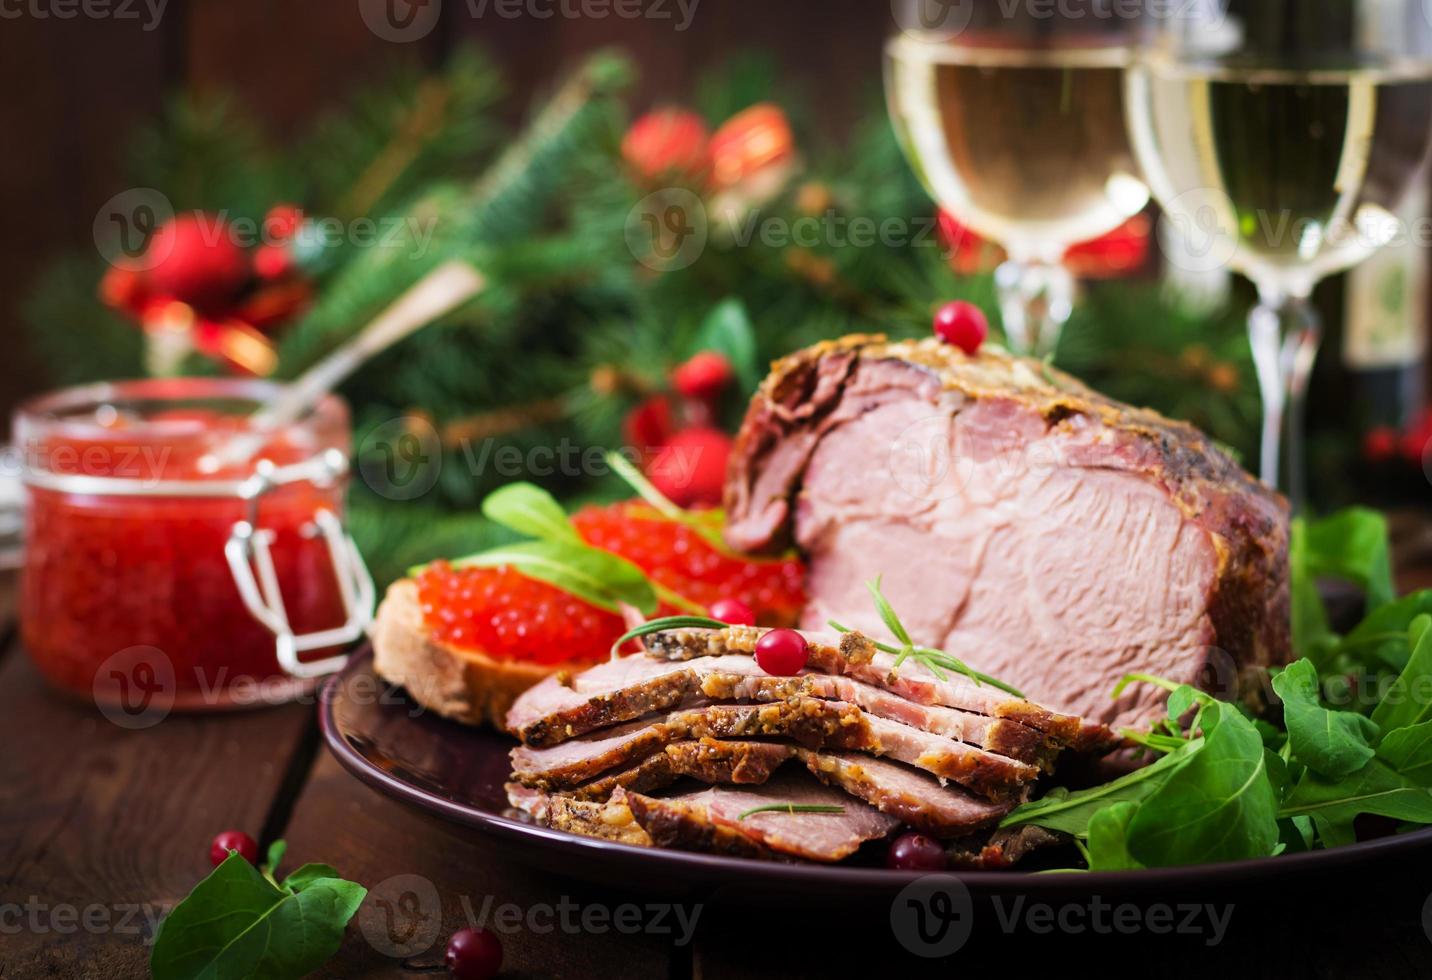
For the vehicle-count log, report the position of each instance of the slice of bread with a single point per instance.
(465, 685)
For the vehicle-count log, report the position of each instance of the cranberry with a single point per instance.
(782, 652)
(233, 840)
(733, 611)
(703, 377)
(915, 852)
(962, 324)
(474, 954)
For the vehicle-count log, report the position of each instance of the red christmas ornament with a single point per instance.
(274, 262)
(124, 289)
(194, 259)
(691, 468)
(705, 376)
(648, 426)
(962, 324)
(667, 142)
(754, 140)
(1119, 253)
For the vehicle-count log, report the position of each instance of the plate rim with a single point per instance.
(1220, 873)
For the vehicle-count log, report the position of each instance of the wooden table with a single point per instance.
(101, 828)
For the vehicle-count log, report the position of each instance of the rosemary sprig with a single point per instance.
(792, 808)
(667, 623)
(935, 661)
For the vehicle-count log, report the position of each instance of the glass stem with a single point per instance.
(1035, 300)
(1284, 331)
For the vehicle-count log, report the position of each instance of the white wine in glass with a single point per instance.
(1283, 160)
(1026, 145)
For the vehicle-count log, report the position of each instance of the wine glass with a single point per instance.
(1013, 119)
(1278, 136)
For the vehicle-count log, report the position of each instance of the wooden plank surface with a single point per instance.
(427, 879)
(114, 825)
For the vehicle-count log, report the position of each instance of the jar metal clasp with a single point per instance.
(251, 563)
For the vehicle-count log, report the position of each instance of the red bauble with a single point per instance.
(194, 259)
(124, 289)
(704, 376)
(751, 141)
(233, 840)
(782, 653)
(691, 467)
(648, 426)
(962, 324)
(274, 262)
(667, 141)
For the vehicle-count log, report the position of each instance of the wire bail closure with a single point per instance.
(251, 563)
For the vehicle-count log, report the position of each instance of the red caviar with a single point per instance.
(676, 556)
(128, 594)
(503, 613)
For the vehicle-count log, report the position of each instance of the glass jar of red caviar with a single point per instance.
(154, 568)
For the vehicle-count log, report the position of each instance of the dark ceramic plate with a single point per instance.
(457, 773)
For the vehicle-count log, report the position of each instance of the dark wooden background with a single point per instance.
(75, 89)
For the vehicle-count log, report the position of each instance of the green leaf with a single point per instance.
(237, 924)
(274, 857)
(594, 576)
(1334, 743)
(1219, 806)
(727, 330)
(1070, 813)
(1408, 701)
(1353, 545)
(1380, 640)
(528, 509)
(1108, 847)
(1409, 752)
(1333, 804)
(887, 614)
(307, 875)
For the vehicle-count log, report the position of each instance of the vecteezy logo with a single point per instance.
(125, 225)
(923, 462)
(933, 916)
(400, 21)
(402, 916)
(135, 687)
(667, 230)
(933, 20)
(401, 459)
(1205, 225)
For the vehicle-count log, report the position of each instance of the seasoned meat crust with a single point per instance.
(1050, 505)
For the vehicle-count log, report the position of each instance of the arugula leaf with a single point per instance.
(528, 509)
(237, 923)
(727, 330)
(1334, 804)
(1312, 636)
(1353, 545)
(595, 576)
(1218, 806)
(1070, 812)
(1380, 640)
(1406, 702)
(1335, 743)
(1108, 847)
(1409, 752)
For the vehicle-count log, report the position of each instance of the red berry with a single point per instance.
(233, 840)
(915, 852)
(502, 613)
(282, 222)
(782, 652)
(962, 324)
(1380, 444)
(704, 376)
(733, 611)
(691, 467)
(667, 141)
(195, 259)
(474, 954)
(273, 261)
(676, 556)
